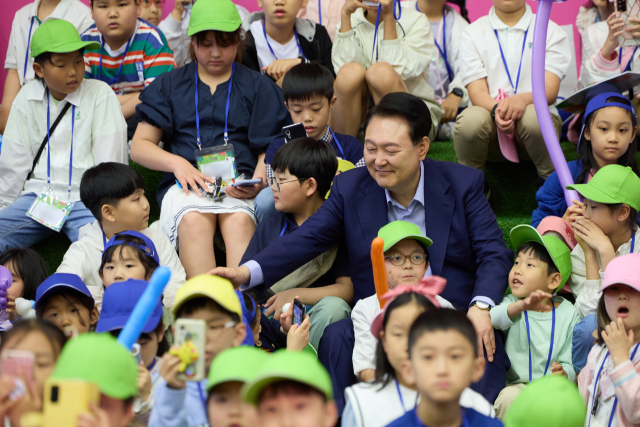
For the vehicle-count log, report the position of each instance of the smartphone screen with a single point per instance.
(18, 364)
(294, 132)
(298, 312)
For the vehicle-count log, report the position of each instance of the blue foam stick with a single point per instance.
(143, 309)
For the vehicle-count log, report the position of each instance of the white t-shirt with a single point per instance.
(288, 50)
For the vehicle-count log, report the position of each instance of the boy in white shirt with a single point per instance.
(496, 55)
(91, 130)
(18, 63)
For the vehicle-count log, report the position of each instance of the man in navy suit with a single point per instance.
(444, 199)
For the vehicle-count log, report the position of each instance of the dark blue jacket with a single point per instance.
(474, 419)
(468, 249)
(352, 148)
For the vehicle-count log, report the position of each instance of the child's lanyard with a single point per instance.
(401, 399)
(595, 388)
(504, 61)
(443, 49)
(73, 116)
(338, 143)
(553, 327)
(295, 35)
(628, 67)
(202, 398)
(284, 228)
(26, 56)
(320, 12)
(226, 114)
(633, 242)
(126, 50)
(375, 33)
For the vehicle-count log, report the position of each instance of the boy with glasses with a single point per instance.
(151, 11)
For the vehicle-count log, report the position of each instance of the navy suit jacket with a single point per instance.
(468, 249)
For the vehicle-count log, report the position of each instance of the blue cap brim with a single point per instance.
(56, 288)
(118, 322)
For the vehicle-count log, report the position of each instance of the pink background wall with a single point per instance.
(562, 14)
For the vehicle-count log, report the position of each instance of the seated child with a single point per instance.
(596, 149)
(308, 93)
(94, 123)
(442, 362)
(168, 112)
(114, 193)
(591, 13)
(151, 11)
(406, 257)
(304, 170)
(131, 55)
(228, 373)
(64, 300)
(287, 382)
(117, 306)
(277, 40)
(542, 267)
(90, 358)
(374, 55)
(213, 300)
(28, 270)
(500, 88)
(18, 63)
(128, 255)
(377, 403)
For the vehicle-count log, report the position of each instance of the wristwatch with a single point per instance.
(458, 92)
(493, 112)
(482, 305)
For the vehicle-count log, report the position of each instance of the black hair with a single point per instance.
(306, 81)
(147, 262)
(107, 184)
(45, 58)
(54, 335)
(443, 319)
(199, 303)
(631, 219)
(29, 265)
(163, 345)
(585, 149)
(67, 293)
(223, 39)
(407, 107)
(307, 158)
(384, 371)
(540, 253)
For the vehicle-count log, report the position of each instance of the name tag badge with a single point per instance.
(50, 211)
(140, 70)
(218, 161)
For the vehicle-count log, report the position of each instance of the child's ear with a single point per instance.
(94, 315)
(331, 414)
(240, 333)
(406, 370)
(312, 187)
(333, 101)
(38, 69)
(554, 281)
(587, 133)
(478, 369)
(101, 275)
(108, 213)
(623, 213)
(287, 105)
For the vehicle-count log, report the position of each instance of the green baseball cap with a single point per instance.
(58, 36)
(612, 184)
(101, 360)
(219, 15)
(558, 250)
(236, 364)
(537, 405)
(395, 231)
(285, 365)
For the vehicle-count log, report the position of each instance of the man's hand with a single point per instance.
(278, 68)
(168, 368)
(486, 338)
(298, 336)
(238, 276)
(450, 105)
(557, 369)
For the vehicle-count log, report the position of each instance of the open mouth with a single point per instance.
(622, 312)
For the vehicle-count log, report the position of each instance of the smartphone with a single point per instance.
(18, 364)
(190, 338)
(621, 6)
(292, 132)
(627, 9)
(298, 311)
(136, 351)
(246, 182)
(64, 400)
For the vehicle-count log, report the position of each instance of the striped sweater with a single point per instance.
(148, 56)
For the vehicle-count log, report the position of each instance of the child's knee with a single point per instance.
(350, 78)
(380, 74)
(473, 123)
(195, 224)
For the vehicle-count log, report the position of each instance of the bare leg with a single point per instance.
(195, 238)
(237, 230)
(383, 79)
(350, 89)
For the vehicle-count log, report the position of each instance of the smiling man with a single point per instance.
(445, 200)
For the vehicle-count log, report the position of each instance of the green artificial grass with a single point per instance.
(513, 196)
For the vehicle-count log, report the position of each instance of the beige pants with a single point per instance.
(506, 398)
(475, 138)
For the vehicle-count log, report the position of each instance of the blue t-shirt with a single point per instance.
(352, 148)
(472, 419)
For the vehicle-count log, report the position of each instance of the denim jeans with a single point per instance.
(17, 230)
(264, 204)
(582, 341)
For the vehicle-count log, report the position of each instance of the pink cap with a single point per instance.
(560, 226)
(623, 270)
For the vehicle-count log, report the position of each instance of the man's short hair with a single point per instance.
(306, 81)
(308, 158)
(405, 106)
(107, 184)
(442, 319)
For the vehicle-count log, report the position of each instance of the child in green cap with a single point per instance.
(539, 326)
(42, 163)
(292, 388)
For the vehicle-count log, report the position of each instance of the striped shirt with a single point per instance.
(148, 56)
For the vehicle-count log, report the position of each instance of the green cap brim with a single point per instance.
(252, 393)
(423, 240)
(239, 364)
(593, 193)
(66, 48)
(227, 27)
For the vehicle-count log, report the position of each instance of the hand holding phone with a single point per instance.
(66, 400)
(292, 132)
(189, 347)
(18, 364)
(299, 311)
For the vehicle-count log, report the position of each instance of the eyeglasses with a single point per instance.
(273, 182)
(148, 3)
(416, 258)
(217, 329)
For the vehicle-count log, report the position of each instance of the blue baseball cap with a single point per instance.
(598, 99)
(58, 281)
(148, 248)
(118, 302)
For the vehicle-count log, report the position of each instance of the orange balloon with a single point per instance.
(379, 270)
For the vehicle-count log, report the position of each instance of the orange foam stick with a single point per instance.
(379, 270)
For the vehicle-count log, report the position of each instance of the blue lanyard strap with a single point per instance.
(553, 327)
(26, 55)
(295, 35)
(504, 61)
(333, 135)
(284, 228)
(400, 395)
(226, 114)
(73, 116)
(124, 55)
(628, 67)
(396, 5)
(633, 242)
(443, 49)
(320, 12)
(202, 398)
